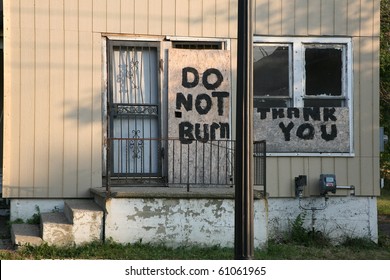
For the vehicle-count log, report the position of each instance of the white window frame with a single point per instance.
(297, 90)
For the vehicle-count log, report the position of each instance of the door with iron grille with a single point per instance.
(133, 109)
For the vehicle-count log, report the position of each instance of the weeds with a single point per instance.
(359, 243)
(351, 249)
(36, 217)
(34, 220)
(299, 235)
(384, 202)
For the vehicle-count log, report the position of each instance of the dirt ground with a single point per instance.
(384, 224)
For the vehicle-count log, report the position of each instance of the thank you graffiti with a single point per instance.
(303, 130)
(199, 95)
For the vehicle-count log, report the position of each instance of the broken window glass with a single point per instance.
(271, 70)
(300, 74)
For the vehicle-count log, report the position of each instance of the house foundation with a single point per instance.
(205, 217)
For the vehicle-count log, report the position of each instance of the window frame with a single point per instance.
(344, 72)
(298, 46)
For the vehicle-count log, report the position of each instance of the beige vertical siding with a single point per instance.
(168, 17)
(53, 89)
(53, 144)
(317, 17)
(42, 109)
(222, 18)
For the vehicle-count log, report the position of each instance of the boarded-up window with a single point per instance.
(302, 94)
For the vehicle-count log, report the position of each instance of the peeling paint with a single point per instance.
(161, 229)
(148, 228)
(344, 216)
(177, 222)
(131, 217)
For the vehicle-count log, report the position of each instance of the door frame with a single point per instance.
(108, 43)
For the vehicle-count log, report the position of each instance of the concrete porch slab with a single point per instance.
(170, 192)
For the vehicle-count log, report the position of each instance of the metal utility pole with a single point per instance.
(244, 233)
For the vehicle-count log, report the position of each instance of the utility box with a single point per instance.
(300, 183)
(327, 183)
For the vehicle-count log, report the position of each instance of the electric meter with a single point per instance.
(327, 183)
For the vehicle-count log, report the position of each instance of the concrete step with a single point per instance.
(87, 219)
(26, 234)
(56, 229)
(81, 222)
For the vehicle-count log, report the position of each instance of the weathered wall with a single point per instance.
(211, 221)
(354, 217)
(25, 208)
(185, 222)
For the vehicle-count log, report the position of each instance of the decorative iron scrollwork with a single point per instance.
(136, 110)
(127, 72)
(136, 145)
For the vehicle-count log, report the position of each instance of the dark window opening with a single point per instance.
(271, 71)
(323, 71)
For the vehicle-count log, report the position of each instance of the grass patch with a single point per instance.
(352, 250)
(384, 201)
(115, 251)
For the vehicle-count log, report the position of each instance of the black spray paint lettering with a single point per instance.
(294, 113)
(187, 83)
(306, 131)
(189, 132)
(203, 103)
(325, 135)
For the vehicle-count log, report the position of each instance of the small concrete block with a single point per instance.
(24, 234)
(82, 209)
(56, 229)
(87, 219)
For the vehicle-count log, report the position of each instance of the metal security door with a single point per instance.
(134, 111)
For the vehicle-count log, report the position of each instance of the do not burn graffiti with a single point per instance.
(201, 97)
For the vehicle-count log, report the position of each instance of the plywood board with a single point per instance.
(303, 130)
(199, 109)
